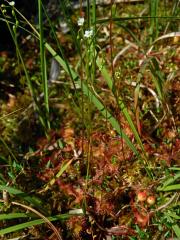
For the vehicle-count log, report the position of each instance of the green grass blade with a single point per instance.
(174, 187)
(131, 124)
(153, 20)
(32, 200)
(8, 149)
(104, 71)
(157, 77)
(121, 19)
(32, 223)
(10, 216)
(43, 64)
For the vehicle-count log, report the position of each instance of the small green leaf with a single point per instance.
(174, 187)
(176, 230)
(167, 184)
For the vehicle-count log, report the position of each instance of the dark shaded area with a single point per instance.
(28, 8)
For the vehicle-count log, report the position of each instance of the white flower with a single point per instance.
(12, 3)
(88, 33)
(80, 21)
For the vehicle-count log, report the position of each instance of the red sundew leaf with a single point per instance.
(104, 207)
(98, 178)
(70, 190)
(4, 54)
(121, 231)
(177, 143)
(141, 218)
(46, 175)
(67, 133)
(74, 223)
(30, 63)
(111, 169)
(82, 144)
(44, 161)
(98, 151)
(148, 148)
